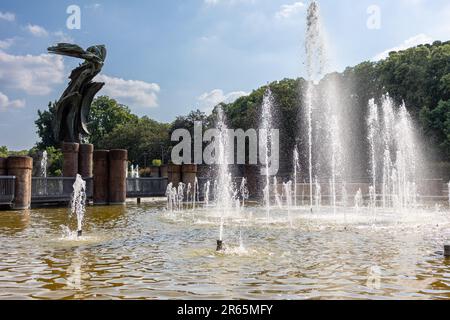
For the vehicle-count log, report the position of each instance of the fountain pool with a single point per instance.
(148, 252)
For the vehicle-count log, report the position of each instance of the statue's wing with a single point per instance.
(73, 50)
(67, 49)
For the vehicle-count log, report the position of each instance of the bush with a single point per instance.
(157, 163)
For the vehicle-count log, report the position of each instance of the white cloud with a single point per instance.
(209, 100)
(63, 37)
(288, 10)
(409, 43)
(7, 16)
(5, 103)
(36, 30)
(7, 43)
(35, 75)
(134, 93)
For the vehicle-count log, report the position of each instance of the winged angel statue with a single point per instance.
(72, 109)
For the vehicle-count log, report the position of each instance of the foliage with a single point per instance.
(157, 163)
(3, 152)
(107, 114)
(44, 124)
(143, 137)
(418, 76)
(54, 161)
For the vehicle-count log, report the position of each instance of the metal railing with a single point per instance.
(7, 189)
(146, 187)
(56, 189)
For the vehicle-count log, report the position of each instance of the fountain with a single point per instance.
(195, 193)
(296, 165)
(44, 164)
(323, 112)
(224, 186)
(78, 203)
(207, 192)
(244, 191)
(266, 142)
(358, 222)
(344, 195)
(401, 157)
(318, 195)
(372, 123)
(359, 201)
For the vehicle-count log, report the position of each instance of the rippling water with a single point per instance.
(139, 252)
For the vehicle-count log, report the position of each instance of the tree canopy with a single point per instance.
(418, 76)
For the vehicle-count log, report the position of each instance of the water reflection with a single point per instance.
(144, 252)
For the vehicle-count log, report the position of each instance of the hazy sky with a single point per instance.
(168, 57)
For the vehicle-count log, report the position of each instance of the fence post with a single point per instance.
(3, 170)
(101, 177)
(21, 167)
(118, 176)
(85, 160)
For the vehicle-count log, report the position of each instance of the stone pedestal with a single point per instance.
(85, 160)
(3, 169)
(189, 174)
(101, 177)
(70, 165)
(174, 174)
(21, 168)
(117, 176)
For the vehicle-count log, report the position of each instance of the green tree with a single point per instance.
(44, 124)
(145, 139)
(3, 152)
(107, 114)
(436, 124)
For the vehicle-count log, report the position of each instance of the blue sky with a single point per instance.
(166, 58)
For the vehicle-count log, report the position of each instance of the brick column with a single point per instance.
(101, 177)
(3, 168)
(85, 160)
(21, 168)
(164, 171)
(70, 165)
(174, 174)
(189, 174)
(118, 160)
